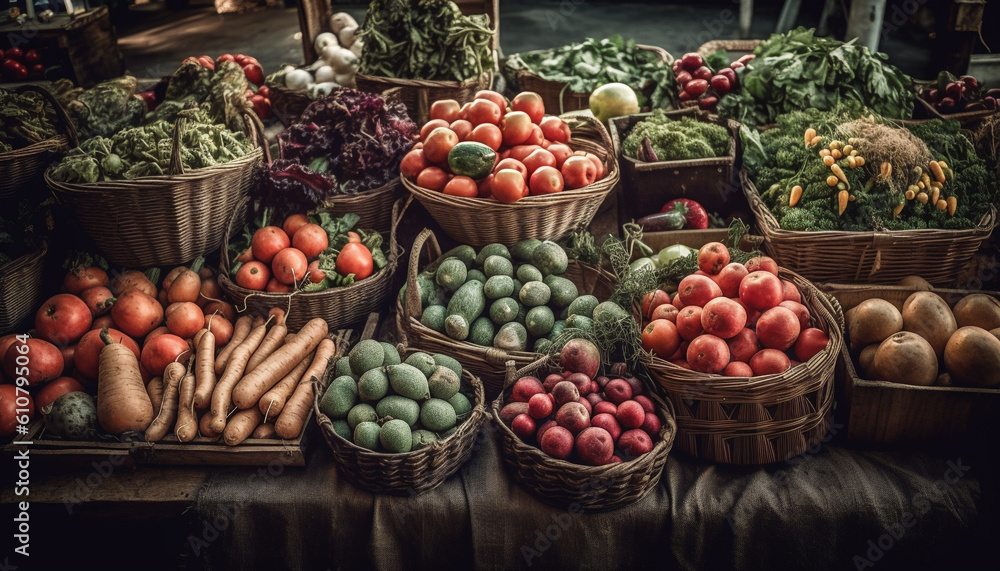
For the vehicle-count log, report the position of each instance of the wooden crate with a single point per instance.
(880, 412)
(647, 186)
(169, 452)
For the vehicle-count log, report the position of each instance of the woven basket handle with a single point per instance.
(591, 122)
(513, 373)
(61, 114)
(426, 236)
(663, 54)
(176, 164)
(255, 130)
(756, 203)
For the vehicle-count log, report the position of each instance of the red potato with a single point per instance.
(608, 422)
(81, 278)
(556, 441)
(184, 319)
(723, 317)
(253, 275)
(293, 222)
(162, 351)
(525, 388)
(55, 389)
(136, 313)
(540, 406)
(565, 392)
(34, 359)
(595, 446)
(289, 266)
(573, 416)
(635, 442)
(311, 240)
(96, 299)
(778, 328)
(130, 280)
(630, 414)
(523, 426)
(618, 391)
(63, 319)
(769, 361)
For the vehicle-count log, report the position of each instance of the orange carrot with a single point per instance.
(241, 329)
(265, 430)
(275, 337)
(280, 363)
(241, 426)
(172, 376)
(186, 428)
(122, 401)
(222, 396)
(274, 400)
(293, 417)
(204, 369)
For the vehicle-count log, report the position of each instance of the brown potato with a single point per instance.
(979, 310)
(866, 360)
(873, 321)
(928, 315)
(972, 357)
(906, 358)
(916, 283)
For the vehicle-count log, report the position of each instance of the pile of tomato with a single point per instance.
(492, 148)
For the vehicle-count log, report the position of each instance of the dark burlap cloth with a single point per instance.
(834, 507)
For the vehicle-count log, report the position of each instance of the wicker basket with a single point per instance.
(757, 420)
(558, 98)
(478, 221)
(288, 104)
(870, 257)
(21, 166)
(411, 472)
(489, 363)
(563, 483)
(20, 288)
(164, 220)
(969, 119)
(419, 94)
(339, 306)
(375, 206)
(742, 46)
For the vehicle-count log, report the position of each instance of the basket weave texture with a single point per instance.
(489, 363)
(339, 306)
(869, 257)
(763, 419)
(164, 220)
(594, 488)
(20, 166)
(479, 221)
(411, 472)
(556, 94)
(20, 288)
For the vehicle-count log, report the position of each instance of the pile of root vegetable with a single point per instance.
(848, 170)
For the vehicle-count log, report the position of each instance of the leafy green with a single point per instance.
(677, 139)
(24, 120)
(798, 70)
(591, 63)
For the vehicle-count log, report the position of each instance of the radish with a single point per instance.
(692, 61)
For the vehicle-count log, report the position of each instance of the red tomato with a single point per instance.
(10, 416)
(224, 57)
(498, 99)
(311, 240)
(537, 137)
(578, 172)
(545, 180)
(531, 103)
(516, 127)
(316, 275)
(597, 165)
(561, 152)
(430, 126)
(515, 164)
(462, 186)
(463, 112)
(32, 57)
(274, 286)
(462, 128)
(254, 73)
(521, 152)
(433, 178)
(539, 158)
(413, 162)
(355, 258)
(485, 191)
(446, 109)
(15, 53)
(261, 106)
(484, 111)
(508, 186)
(293, 223)
(487, 134)
(267, 242)
(289, 265)
(555, 129)
(253, 275)
(438, 144)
